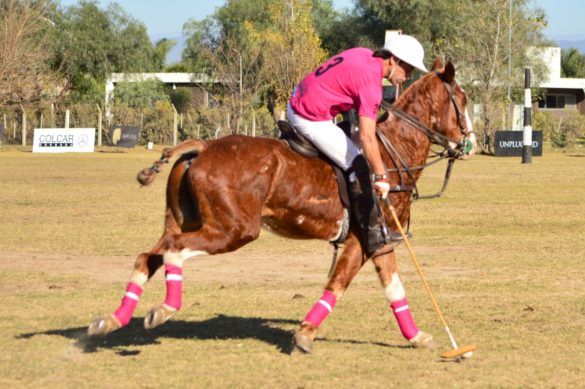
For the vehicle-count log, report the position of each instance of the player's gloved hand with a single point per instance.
(381, 185)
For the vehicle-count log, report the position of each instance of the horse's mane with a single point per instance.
(417, 101)
(422, 86)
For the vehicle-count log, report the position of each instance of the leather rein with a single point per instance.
(448, 152)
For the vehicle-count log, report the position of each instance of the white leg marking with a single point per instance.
(177, 258)
(395, 291)
(139, 278)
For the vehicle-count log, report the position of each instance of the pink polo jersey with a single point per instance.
(351, 79)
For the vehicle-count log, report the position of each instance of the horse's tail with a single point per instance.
(147, 175)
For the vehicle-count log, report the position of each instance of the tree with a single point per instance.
(474, 34)
(572, 64)
(222, 47)
(240, 79)
(92, 43)
(274, 42)
(141, 94)
(291, 48)
(432, 22)
(199, 37)
(25, 73)
(161, 50)
(481, 50)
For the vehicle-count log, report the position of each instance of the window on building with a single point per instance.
(558, 101)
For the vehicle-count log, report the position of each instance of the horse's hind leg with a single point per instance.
(211, 238)
(144, 268)
(387, 270)
(348, 265)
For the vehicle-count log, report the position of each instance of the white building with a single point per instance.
(562, 94)
(200, 96)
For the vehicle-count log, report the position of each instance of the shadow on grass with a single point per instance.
(217, 328)
(353, 341)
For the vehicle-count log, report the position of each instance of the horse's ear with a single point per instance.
(438, 64)
(449, 72)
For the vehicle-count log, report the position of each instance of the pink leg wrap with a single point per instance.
(129, 302)
(404, 318)
(174, 276)
(321, 309)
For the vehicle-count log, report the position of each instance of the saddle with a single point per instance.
(296, 141)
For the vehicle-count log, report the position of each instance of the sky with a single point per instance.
(165, 18)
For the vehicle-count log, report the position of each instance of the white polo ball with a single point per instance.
(467, 355)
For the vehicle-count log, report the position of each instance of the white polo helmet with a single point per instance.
(406, 48)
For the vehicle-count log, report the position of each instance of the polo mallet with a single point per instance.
(464, 351)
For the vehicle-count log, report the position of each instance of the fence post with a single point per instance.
(99, 142)
(174, 125)
(41, 124)
(67, 118)
(527, 135)
(254, 124)
(23, 125)
(5, 128)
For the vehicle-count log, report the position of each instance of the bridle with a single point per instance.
(450, 152)
(465, 144)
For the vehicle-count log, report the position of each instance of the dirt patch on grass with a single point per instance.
(292, 261)
(242, 266)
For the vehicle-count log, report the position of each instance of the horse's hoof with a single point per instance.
(424, 340)
(103, 325)
(302, 343)
(157, 316)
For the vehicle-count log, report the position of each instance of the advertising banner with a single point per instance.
(64, 140)
(509, 143)
(124, 136)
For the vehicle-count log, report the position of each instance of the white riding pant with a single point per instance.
(327, 137)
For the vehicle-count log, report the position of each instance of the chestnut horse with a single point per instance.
(221, 192)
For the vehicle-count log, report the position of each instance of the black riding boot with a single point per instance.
(365, 207)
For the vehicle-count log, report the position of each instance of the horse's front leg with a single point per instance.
(348, 265)
(144, 268)
(387, 270)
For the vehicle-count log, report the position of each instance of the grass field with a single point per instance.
(503, 251)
